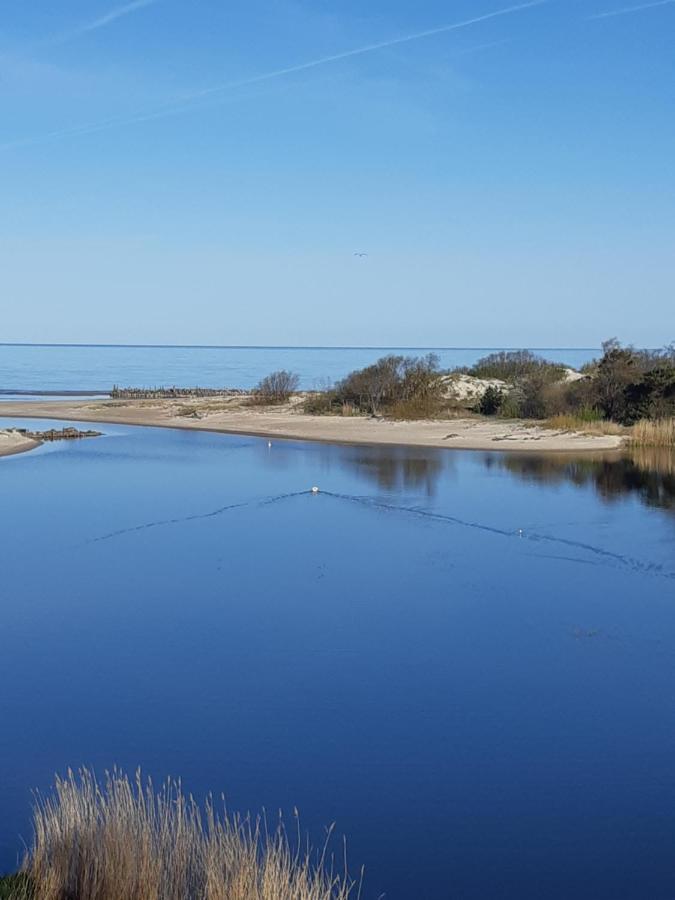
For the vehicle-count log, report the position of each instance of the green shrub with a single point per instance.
(627, 385)
(536, 402)
(588, 414)
(616, 370)
(651, 398)
(511, 408)
(491, 402)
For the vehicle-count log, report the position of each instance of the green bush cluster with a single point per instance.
(624, 385)
(630, 384)
(491, 402)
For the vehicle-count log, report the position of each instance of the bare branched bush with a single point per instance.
(124, 841)
(403, 386)
(321, 403)
(276, 387)
(512, 365)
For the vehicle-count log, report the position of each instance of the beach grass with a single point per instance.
(16, 887)
(122, 840)
(573, 423)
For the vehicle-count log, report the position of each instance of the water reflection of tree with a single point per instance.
(397, 467)
(389, 467)
(647, 473)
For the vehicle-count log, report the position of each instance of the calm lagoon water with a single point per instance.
(483, 713)
(39, 367)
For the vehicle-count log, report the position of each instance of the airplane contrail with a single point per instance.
(106, 19)
(630, 9)
(367, 48)
(184, 101)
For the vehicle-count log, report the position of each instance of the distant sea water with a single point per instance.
(96, 368)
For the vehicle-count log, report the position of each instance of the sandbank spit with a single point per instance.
(12, 442)
(233, 416)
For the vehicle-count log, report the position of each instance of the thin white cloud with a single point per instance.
(626, 10)
(101, 22)
(185, 101)
(360, 51)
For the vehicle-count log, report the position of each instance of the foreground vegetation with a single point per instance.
(123, 841)
(15, 887)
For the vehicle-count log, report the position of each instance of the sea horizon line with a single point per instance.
(283, 346)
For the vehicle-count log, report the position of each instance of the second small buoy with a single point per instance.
(315, 490)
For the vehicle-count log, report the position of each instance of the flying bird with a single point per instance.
(356, 253)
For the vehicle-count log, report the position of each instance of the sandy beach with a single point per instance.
(232, 416)
(12, 442)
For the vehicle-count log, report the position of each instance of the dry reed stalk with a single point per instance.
(570, 422)
(654, 433)
(124, 841)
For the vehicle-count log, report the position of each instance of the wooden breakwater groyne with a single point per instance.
(56, 434)
(172, 393)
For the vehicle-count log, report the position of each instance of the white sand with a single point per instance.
(468, 389)
(286, 422)
(12, 442)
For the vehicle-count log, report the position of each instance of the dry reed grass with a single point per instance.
(570, 422)
(124, 841)
(654, 433)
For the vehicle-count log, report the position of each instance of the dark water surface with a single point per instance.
(484, 713)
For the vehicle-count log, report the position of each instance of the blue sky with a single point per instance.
(165, 179)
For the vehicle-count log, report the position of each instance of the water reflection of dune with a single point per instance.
(645, 472)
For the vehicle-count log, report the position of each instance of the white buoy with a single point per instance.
(269, 443)
(315, 490)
